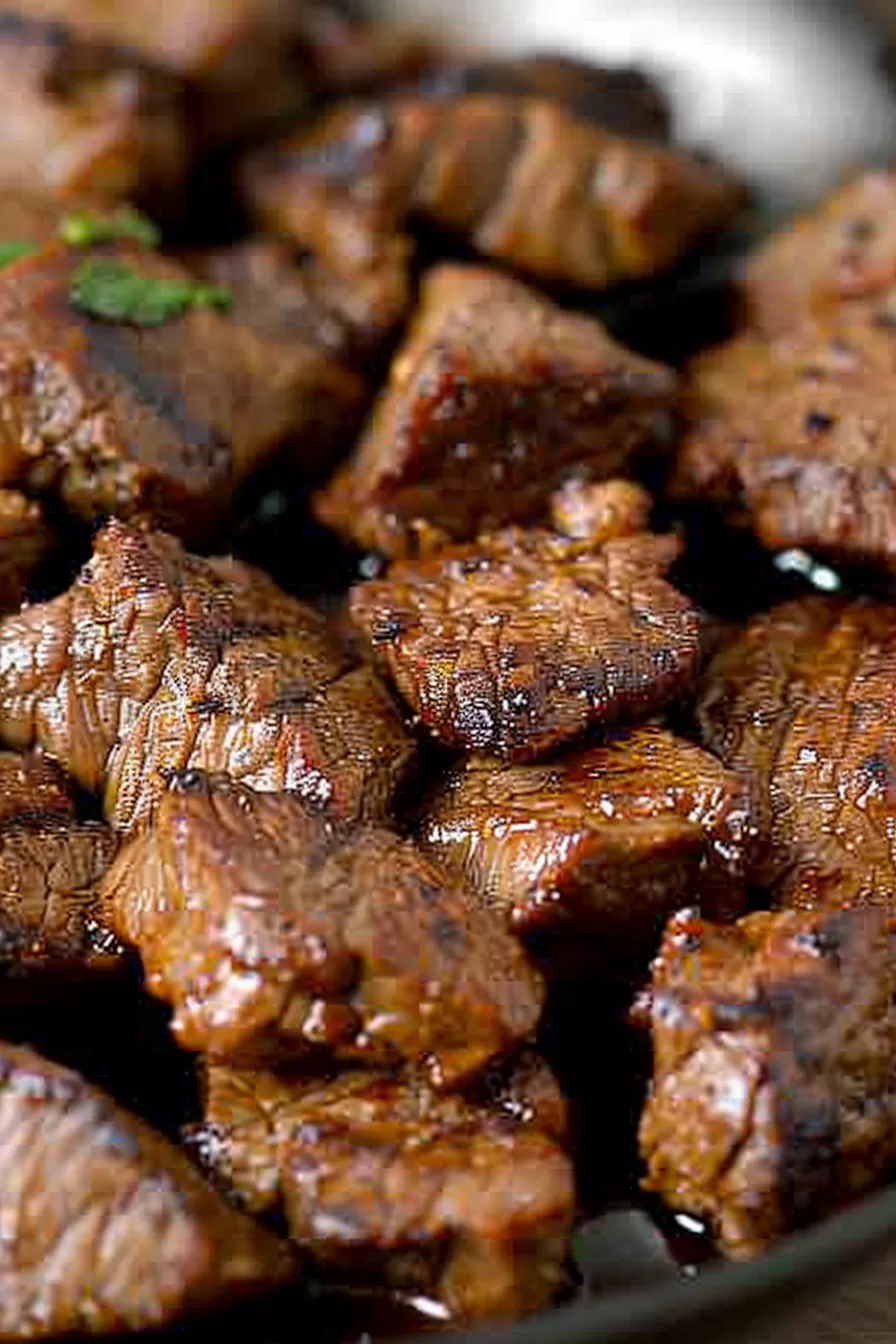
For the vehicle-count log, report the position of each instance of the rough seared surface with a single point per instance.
(162, 422)
(109, 1227)
(774, 1089)
(842, 255)
(800, 706)
(496, 397)
(384, 1180)
(275, 935)
(26, 541)
(156, 661)
(524, 639)
(609, 208)
(606, 841)
(81, 117)
(797, 438)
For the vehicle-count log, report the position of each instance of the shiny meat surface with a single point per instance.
(26, 542)
(384, 1179)
(109, 1227)
(606, 841)
(774, 1091)
(496, 397)
(609, 208)
(162, 422)
(800, 706)
(156, 661)
(522, 640)
(796, 438)
(84, 118)
(274, 936)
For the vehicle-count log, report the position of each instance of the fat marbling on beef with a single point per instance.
(384, 1180)
(774, 1088)
(276, 935)
(157, 661)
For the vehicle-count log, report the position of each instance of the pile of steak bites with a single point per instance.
(356, 707)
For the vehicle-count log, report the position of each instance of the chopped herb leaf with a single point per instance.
(86, 229)
(114, 291)
(11, 251)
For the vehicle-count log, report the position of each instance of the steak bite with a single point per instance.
(384, 1180)
(609, 208)
(276, 935)
(800, 706)
(157, 661)
(796, 439)
(161, 421)
(523, 640)
(109, 1227)
(774, 1091)
(26, 542)
(842, 255)
(496, 397)
(50, 869)
(83, 118)
(607, 841)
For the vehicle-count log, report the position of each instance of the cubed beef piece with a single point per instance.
(385, 1181)
(496, 397)
(164, 421)
(795, 439)
(276, 935)
(841, 255)
(155, 660)
(50, 869)
(800, 706)
(81, 117)
(108, 1226)
(609, 208)
(607, 841)
(525, 639)
(26, 542)
(774, 1087)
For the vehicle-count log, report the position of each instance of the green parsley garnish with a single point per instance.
(11, 251)
(87, 229)
(114, 291)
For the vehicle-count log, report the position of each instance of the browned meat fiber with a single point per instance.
(382, 1179)
(26, 542)
(83, 118)
(523, 640)
(800, 706)
(607, 841)
(50, 869)
(496, 397)
(774, 1092)
(157, 661)
(609, 208)
(275, 935)
(796, 438)
(842, 255)
(164, 422)
(110, 1226)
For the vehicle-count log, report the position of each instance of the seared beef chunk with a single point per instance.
(524, 639)
(83, 118)
(619, 99)
(796, 438)
(275, 934)
(800, 705)
(108, 1227)
(607, 841)
(383, 1179)
(522, 179)
(841, 255)
(155, 660)
(160, 421)
(26, 541)
(496, 397)
(774, 1086)
(50, 868)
